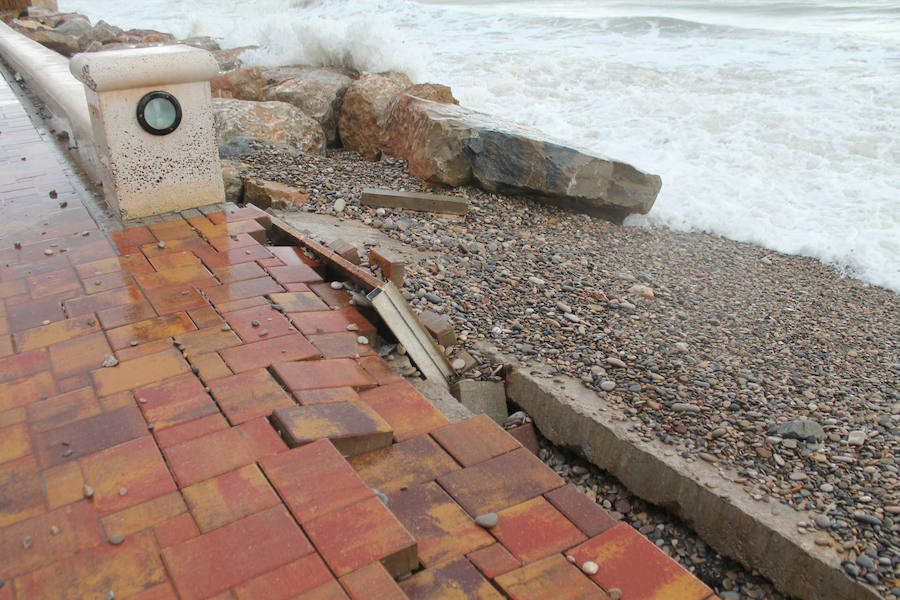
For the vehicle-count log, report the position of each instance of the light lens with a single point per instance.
(159, 113)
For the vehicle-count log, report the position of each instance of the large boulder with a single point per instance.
(67, 45)
(318, 92)
(270, 122)
(243, 84)
(203, 42)
(275, 75)
(449, 144)
(229, 59)
(364, 109)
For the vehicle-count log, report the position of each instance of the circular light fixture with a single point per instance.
(159, 113)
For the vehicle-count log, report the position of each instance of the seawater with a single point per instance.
(770, 121)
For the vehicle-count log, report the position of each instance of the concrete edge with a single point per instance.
(48, 77)
(701, 494)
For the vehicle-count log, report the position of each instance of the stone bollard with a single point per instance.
(152, 122)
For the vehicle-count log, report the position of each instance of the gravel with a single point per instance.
(714, 346)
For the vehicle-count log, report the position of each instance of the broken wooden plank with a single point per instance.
(415, 201)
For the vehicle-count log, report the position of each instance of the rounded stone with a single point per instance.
(88, 491)
(336, 285)
(614, 593)
(590, 567)
(362, 340)
(607, 385)
(117, 539)
(487, 520)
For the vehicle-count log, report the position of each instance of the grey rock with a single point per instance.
(117, 539)
(867, 519)
(684, 407)
(380, 495)
(807, 430)
(487, 520)
(109, 361)
(823, 521)
(26, 543)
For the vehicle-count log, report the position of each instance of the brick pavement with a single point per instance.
(165, 476)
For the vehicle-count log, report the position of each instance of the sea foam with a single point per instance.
(770, 122)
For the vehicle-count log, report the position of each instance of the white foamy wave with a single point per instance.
(772, 121)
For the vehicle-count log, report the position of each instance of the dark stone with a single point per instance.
(808, 430)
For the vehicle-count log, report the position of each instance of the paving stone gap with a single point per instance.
(187, 412)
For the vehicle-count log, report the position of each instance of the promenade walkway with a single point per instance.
(176, 404)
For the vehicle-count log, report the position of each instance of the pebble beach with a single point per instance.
(775, 368)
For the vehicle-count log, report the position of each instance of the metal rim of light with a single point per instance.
(142, 105)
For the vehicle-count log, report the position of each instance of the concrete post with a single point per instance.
(152, 122)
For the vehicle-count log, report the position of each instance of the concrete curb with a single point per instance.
(48, 77)
(701, 494)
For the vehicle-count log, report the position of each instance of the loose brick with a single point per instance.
(379, 370)
(135, 466)
(131, 237)
(439, 327)
(527, 436)
(341, 345)
(64, 484)
(392, 265)
(174, 261)
(352, 427)
(175, 401)
(474, 440)
(494, 560)
(210, 367)
(333, 298)
(79, 355)
(78, 531)
(441, 528)
(534, 529)
(177, 530)
(331, 321)
(553, 577)
(206, 317)
(321, 374)
(193, 244)
(151, 329)
(372, 581)
(500, 482)
(175, 298)
(24, 364)
(286, 582)
(267, 352)
(202, 458)
(242, 289)
(45, 335)
(229, 497)
(272, 323)
(223, 243)
(454, 579)
(15, 442)
(87, 436)
(338, 394)
(128, 569)
(314, 480)
(235, 553)
(630, 562)
(145, 515)
(298, 301)
(208, 339)
(20, 491)
(137, 373)
(408, 463)
(586, 514)
(295, 274)
(294, 255)
(190, 430)
(248, 395)
(407, 411)
(240, 272)
(96, 302)
(362, 533)
(62, 409)
(195, 274)
(172, 230)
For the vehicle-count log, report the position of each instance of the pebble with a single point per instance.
(590, 567)
(380, 495)
(110, 595)
(458, 364)
(48, 252)
(616, 362)
(614, 593)
(263, 332)
(867, 519)
(123, 491)
(88, 491)
(684, 407)
(856, 438)
(161, 245)
(254, 323)
(109, 361)
(487, 520)
(54, 530)
(337, 285)
(226, 327)
(801, 430)
(26, 543)
(362, 340)
(823, 521)
(717, 433)
(352, 327)
(571, 558)
(117, 539)
(707, 457)
(607, 385)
